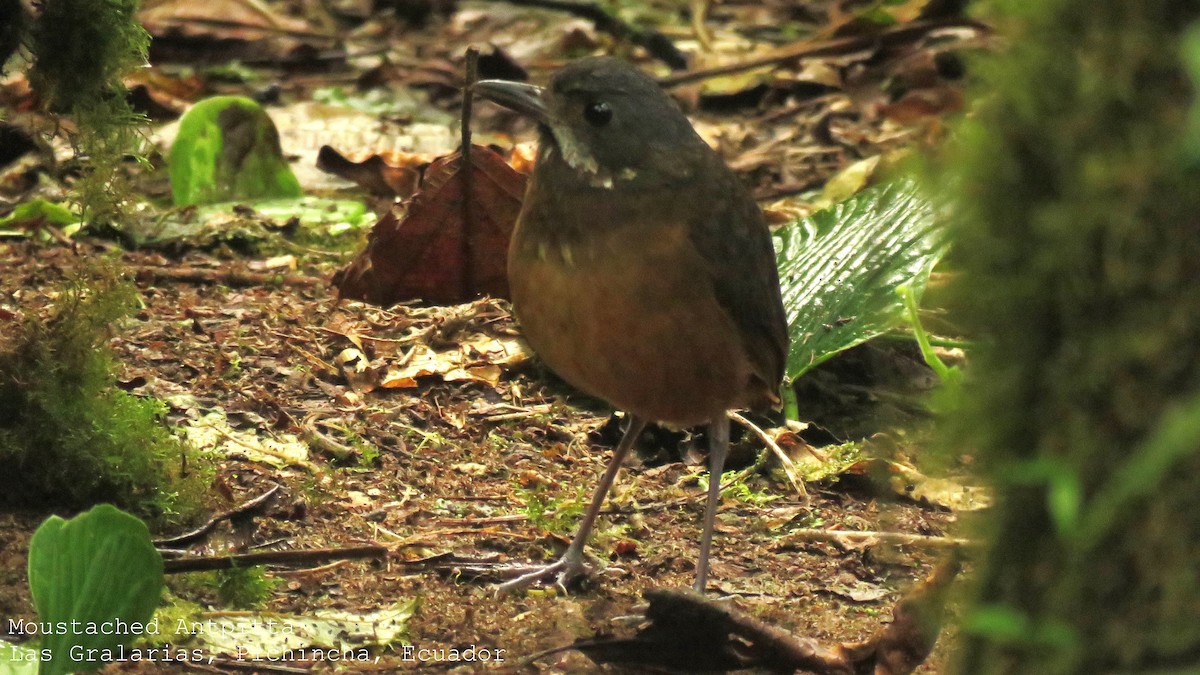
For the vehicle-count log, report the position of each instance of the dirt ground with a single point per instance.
(453, 475)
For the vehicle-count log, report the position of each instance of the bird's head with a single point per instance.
(606, 120)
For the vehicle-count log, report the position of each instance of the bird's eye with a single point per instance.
(597, 114)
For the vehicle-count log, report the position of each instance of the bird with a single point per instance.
(641, 271)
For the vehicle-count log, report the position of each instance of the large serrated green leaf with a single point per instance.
(840, 268)
(93, 578)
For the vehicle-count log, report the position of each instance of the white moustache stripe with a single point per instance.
(577, 157)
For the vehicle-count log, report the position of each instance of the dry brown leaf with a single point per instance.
(908, 482)
(920, 104)
(434, 253)
(356, 369)
(481, 358)
(161, 95)
(392, 174)
(232, 28)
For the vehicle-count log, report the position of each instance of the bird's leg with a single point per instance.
(718, 448)
(571, 566)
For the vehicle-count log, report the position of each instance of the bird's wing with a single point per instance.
(731, 235)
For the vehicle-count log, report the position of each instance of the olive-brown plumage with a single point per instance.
(641, 270)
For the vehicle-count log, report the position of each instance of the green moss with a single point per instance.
(552, 513)
(69, 437)
(1076, 234)
(81, 50)
(240, 587)
(83, 47)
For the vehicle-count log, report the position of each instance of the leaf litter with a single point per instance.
(451, 452)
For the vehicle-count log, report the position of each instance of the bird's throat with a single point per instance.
(558, 143)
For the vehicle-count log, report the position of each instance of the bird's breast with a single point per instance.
(627, 313)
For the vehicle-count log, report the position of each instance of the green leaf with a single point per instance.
(840, 269)
(247, 223)
(1190, 53)
(228, 149)
(1008, 625)
(40, 209)
(18, 659)
(96, 580)
(998, 622)
(27, 218)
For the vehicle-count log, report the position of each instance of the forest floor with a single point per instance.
(457, 469)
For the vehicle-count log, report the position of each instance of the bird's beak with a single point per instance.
(523, 98)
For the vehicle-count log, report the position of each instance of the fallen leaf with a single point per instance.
(356, 369)
(213, 433)
(900, 479)
(161, 95)
(919, 104)
(354, 500)
(860, 592)
(271, 636)
(471, 468)
(906, 481)
(477, 359)
(847, 182)
(235, 29)
(446, 248)
(228, 149)
(625, 548)
(394, 174)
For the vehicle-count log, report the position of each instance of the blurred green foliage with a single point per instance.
(1076, 234)
(81, 50)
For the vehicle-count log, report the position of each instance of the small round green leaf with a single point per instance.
(96, 580)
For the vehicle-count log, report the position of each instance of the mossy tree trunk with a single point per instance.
(1078, 235)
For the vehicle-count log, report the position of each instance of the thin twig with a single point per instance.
(788, 466)
(243, 509)
(226, 562)
(491, 520)
(531, 411)
(699, 15)
(311, 571)
(465, 169)
(227, 277)
(844, 537)
(322, 442)
(433, 536)
(835, 47)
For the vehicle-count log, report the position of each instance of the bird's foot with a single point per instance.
(565, 572)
